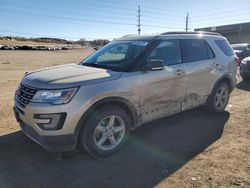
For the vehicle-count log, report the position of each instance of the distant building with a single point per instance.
(235, 33)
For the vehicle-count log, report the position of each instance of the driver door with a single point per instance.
(162, 92)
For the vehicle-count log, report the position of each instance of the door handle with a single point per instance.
(179, 72)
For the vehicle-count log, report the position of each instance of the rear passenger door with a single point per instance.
(198, 63)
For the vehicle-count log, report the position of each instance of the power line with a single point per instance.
(163, 17)
(166, 12)
(201, 12)
(91, 12)
(69, 18)
(82, 20)
(221, 17)
(156, 9)
(147, 12)
(130, 8)
(67, 5)
(74, 8)
(162, 23)
(101, 14)
(64, 4)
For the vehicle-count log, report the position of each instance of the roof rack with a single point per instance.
(187, 33)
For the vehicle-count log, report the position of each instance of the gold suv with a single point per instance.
(128, 82)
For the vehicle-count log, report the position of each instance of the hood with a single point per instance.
(66, 76)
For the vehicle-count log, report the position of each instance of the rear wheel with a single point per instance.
(219, 99)
(106, 131)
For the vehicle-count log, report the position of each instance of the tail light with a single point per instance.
(237, 60)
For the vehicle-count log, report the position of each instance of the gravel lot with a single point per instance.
(190, 149)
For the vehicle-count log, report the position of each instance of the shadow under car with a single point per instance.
(154, 152)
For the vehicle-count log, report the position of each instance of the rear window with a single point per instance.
(196, 50)
(225, 47)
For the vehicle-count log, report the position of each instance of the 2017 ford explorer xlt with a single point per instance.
(128, 82)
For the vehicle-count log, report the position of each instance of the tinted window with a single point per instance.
(168, 51)
(196, 50)
(225, 47)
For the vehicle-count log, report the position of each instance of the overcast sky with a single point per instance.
(92, 19)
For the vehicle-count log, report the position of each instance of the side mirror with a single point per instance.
(154, 65)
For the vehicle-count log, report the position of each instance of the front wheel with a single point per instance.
(106, 131)
(219, 98)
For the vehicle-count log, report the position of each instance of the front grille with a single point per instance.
(25, 94)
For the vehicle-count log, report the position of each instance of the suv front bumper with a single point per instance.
(51, 143)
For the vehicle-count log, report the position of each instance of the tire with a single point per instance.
(219, 98)
(99, 137)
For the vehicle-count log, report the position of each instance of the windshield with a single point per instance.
(117, 54)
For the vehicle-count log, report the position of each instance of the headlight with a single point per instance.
(61, 96)
(244, 61)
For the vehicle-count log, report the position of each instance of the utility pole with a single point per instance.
(139, 19)
(187, 17)
(240, 33)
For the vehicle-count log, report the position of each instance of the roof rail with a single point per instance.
(196, 32)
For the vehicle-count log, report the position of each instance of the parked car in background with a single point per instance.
(242, 50)
(130, 81)
(245, 69)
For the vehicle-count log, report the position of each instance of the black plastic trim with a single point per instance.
(60, 124)
(50, 143)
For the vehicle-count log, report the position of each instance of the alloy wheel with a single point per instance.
(109, 132)
(221, 97)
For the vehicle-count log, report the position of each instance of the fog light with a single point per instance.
(50, 121)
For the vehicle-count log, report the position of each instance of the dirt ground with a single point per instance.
(191, 149)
